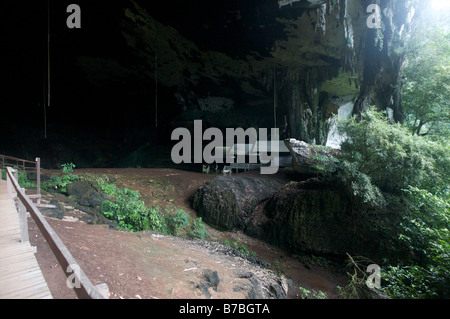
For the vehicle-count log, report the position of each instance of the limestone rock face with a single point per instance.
(243, 57)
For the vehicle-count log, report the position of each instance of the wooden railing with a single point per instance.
(82, 286)
(25, 165)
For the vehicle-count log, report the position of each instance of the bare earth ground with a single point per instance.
(148, 265)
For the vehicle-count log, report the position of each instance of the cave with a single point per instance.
(110, 92)
(198, 127)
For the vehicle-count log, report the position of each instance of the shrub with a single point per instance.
(198, 229)
(131, 213)
(59, 183)
(424, 230)
(413, 171)
(178, 222)
(392, 156)
(311, 294)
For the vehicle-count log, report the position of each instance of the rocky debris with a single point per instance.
(210, 280)
(365, 292)
(88, 197)
(259, 282)
(228, 202)
(218, 248)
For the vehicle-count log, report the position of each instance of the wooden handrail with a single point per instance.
(37, 167)
(4, 158)
(85, 289)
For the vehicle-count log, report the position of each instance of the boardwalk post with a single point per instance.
(23, 222)
(8, 187)
(38, 179)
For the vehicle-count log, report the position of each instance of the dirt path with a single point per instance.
(150, 265)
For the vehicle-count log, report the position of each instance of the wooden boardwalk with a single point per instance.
(20, 275)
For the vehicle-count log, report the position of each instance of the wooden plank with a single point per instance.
(20, 274)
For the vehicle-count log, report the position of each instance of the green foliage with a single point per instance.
(107, 188)
(413, 171)
(131, 213)
(425, 231)
(24, 181)
(358, 186)
(178, 222)
(426, 82)
(198, 229)
(67, 168)
(239, 246)
(311, 294)
(59, 183)
(391, 156)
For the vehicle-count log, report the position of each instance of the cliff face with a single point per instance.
(266, 63)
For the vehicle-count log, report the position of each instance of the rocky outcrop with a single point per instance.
(318, 216)
(228, 202)
(310, 159)
(88, 197)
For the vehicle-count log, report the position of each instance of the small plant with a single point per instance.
(311, 294)
(108, 189)
(198, 229)
(68, 168)
(59, 183)
(178, 222)
(278, 267)
(239, 247)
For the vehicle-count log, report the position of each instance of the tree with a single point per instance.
(392, 157)
(426, 82)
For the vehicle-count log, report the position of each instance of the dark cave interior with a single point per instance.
(136, 70)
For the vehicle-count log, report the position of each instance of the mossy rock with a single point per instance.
(318, 218)
(228, 202)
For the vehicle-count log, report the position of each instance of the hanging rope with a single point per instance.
(45, 110)
(274, 96)
(156, 75)
(48, 52)
(156, 91)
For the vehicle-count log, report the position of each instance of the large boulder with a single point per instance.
(319, 218)
(228, 202)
